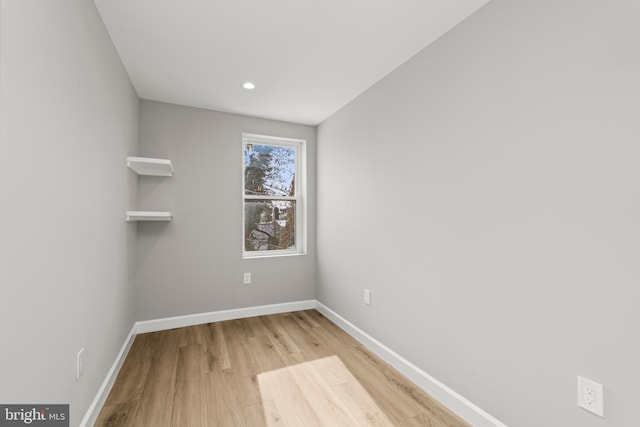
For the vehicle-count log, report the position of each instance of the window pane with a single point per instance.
(269, 170)
(269, 225)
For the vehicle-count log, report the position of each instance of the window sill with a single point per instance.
(271, 255)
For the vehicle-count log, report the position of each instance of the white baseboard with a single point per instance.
(218, 316)
(448, 397)
(93, 411)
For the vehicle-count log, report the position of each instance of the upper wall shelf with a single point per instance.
(148, 166)
(148, 216)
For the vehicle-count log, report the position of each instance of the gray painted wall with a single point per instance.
(69, 117)
(194, 263)
(487, 193)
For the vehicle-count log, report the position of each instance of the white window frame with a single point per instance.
(299, 196)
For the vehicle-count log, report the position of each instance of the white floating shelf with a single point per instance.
(148, 166)
(148, 216)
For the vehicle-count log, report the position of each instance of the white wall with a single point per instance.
(68, 120)
(487, 193)
(194, 263)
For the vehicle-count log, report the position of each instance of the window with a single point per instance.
(273, 191)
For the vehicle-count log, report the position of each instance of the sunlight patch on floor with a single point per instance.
(321, 392)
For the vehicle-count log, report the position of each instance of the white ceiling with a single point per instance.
(307, 58)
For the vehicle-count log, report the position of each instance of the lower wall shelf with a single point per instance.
(148, 216)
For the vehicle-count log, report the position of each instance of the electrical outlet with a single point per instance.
(79, 364)
(367, 297)
(591, 396)
(247, 278)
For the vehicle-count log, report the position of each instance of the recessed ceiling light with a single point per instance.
(249, 85)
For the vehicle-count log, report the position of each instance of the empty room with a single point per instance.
(320, 213)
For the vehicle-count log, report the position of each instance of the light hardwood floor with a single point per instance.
(293, 369)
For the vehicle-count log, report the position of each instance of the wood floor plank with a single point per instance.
(375, 383)
(216, 353)
(271, 414)
(118, 415)
(189, 408)
(243, 362)
(223, 408)
(362, 406)
(311, 318)
(327, 405)
(422, 420)
(189, 336)
(288, 399)
(240, 327)
(410, 392)
(265, 353)
(394, 407)
(255, 327)
(332, 336)
(268, 359)
(156, 402)
(254, 415)
(310, 347)
(279, 335)
(304, 320)
(333, 370)
(130, 383)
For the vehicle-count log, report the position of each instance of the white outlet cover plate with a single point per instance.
(591, 396)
